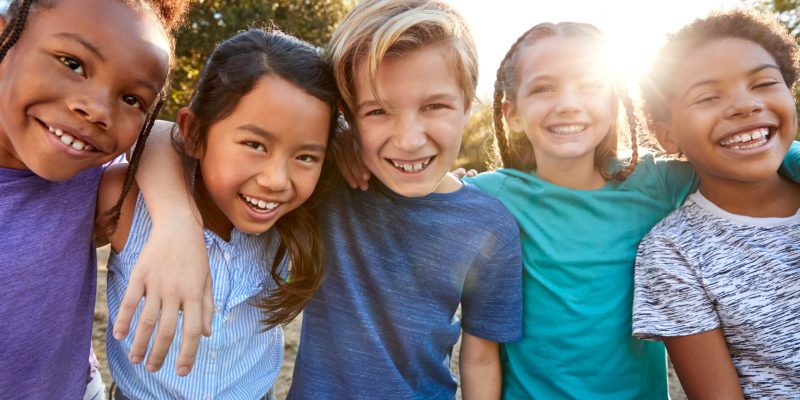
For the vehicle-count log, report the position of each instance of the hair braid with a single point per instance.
(633, 125)
(501, 86)
(109, 220)
(14, 29)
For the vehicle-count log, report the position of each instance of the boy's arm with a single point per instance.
(704, 366)
(479, 366)
(172, 272)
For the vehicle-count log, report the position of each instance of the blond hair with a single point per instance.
(376, 29)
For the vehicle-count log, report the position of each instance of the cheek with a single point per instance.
(305, 182)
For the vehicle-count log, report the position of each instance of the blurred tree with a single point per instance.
(476, 146)
(211, 21)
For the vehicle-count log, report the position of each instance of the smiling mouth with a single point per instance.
(259, 205)
(746, 140)
(567, 129)
(411, 166)
(70, 140)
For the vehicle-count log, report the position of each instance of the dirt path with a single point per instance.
(291, 333)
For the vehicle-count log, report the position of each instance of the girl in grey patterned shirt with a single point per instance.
(718, 280)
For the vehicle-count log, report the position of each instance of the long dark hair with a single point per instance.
(170, 13)
(232, 70)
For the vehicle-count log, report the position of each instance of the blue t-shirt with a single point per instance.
(47, 283)
(384, 323)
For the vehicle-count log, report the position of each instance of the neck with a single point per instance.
(576, 173)
(213, 217)
(773, 197)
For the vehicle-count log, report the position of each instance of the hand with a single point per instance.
(461, 172)
(345, 153)
(173, 276)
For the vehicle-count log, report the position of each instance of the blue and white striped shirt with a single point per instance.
(238, 361)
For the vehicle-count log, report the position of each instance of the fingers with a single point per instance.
(459, 172)
(472, 173)
(192, 330)
(163, 338)
(130, 301)
(144, 328)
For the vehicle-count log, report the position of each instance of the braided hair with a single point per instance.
(514, 148)
(170, 13)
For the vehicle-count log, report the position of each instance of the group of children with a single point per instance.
(545, 257)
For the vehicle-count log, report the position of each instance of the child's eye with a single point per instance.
(706, 99)
(542, 89)
(377, 111)
(765, 84)
(435, 106)
(308, 158)
(255, 146)
(72, 64)
(591, 86)
(133, 101)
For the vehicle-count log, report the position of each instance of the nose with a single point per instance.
(410, 135)
(94, 107)
(568, 102)
(274, 176)
(744, 104)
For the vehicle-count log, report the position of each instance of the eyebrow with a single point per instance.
(85, 43)
(433, 97)
(712, 81)
(271, 137)
(153, 88)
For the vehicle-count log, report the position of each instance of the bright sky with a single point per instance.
(634, 28)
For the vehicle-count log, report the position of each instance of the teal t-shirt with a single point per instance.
(578, 252)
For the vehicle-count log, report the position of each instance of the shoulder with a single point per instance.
(111, 184)
(491, 182)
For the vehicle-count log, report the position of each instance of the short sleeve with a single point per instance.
(678, 179)
(669, 297)
(791, 163)
(491, 306)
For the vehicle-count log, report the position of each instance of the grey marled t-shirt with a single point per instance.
(702, 268)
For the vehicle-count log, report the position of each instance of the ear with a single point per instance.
(186, 120)
(3, 22)
(666, 138)
(510, 113)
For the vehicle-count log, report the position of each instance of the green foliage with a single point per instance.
(212, 21)
(476, 146)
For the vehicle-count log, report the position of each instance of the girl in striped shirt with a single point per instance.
(250, 166)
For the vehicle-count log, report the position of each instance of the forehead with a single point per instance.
(425, 70)
(560, 55)
(722, 57)
(129, 35)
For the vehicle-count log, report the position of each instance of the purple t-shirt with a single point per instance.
(47, 283)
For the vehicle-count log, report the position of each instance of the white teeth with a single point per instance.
(70, 140)
(67, 139)
(411, 167)
(264, 205)
(567, 129)
(745, 137)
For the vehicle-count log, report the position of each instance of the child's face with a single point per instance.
(563, 101)
(731, 112)
(264, 159)
(76, 88)
(411, 136)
